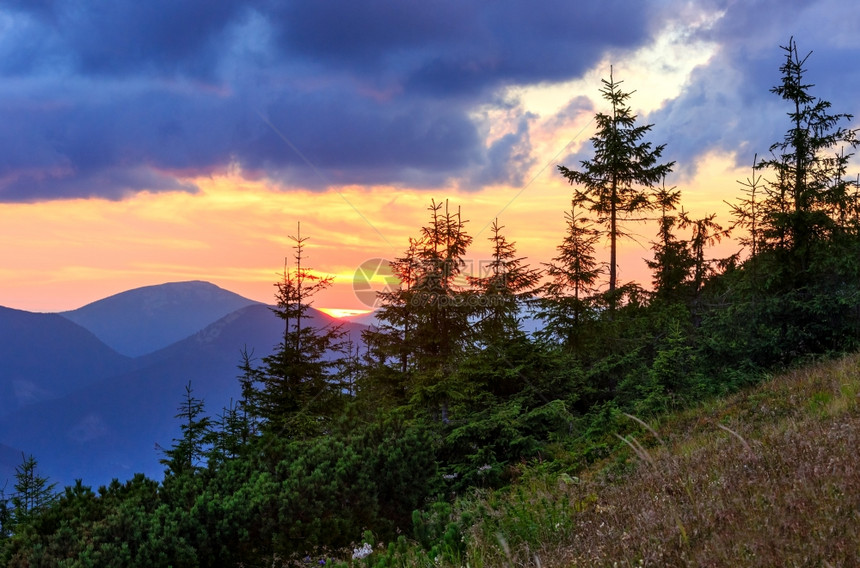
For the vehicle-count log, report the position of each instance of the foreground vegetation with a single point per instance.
(456, 438)
(767, 477)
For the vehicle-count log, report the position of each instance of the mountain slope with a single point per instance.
(146, 319)
(45, 356)
(766, 477)
(255, 328)
(110, 429)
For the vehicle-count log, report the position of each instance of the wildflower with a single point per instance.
(363, 552)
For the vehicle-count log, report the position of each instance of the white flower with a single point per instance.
(363, 552)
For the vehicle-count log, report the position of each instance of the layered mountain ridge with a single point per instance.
(87, 412)
(156, 316)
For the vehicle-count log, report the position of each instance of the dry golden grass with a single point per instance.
(768, 477)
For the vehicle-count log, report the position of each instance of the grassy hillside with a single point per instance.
(768, 477)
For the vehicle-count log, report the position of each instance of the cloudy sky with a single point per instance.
(147, 142)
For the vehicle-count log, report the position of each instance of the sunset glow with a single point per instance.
(59, 255)
(206, 175)
(336, 313)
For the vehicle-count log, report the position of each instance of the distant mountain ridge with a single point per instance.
(146, 319)
(118, 410)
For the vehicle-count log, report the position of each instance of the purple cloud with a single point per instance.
(107, 98)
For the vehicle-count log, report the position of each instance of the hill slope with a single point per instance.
(768, 477)
(146, 319)
(45, 356)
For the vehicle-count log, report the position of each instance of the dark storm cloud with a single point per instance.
(456, 46)
(359, 140)
(106, 141)
(158, 37)
(110, 97)
(727, 105)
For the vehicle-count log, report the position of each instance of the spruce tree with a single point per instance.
(297, 389)
(706, 233)
(424, 324)
(388, 362)
(441, 310)
(506, 283)
(442, 316)
(392, 338)
(231, 432)
(248, 403)
(187, 452)
(567, 299)
(747, 214)
(811, 195)
(672, 261)
(615, 182)
(32, 494)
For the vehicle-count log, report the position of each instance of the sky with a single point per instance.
(162, 141)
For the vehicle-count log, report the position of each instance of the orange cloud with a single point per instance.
(236, 233)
